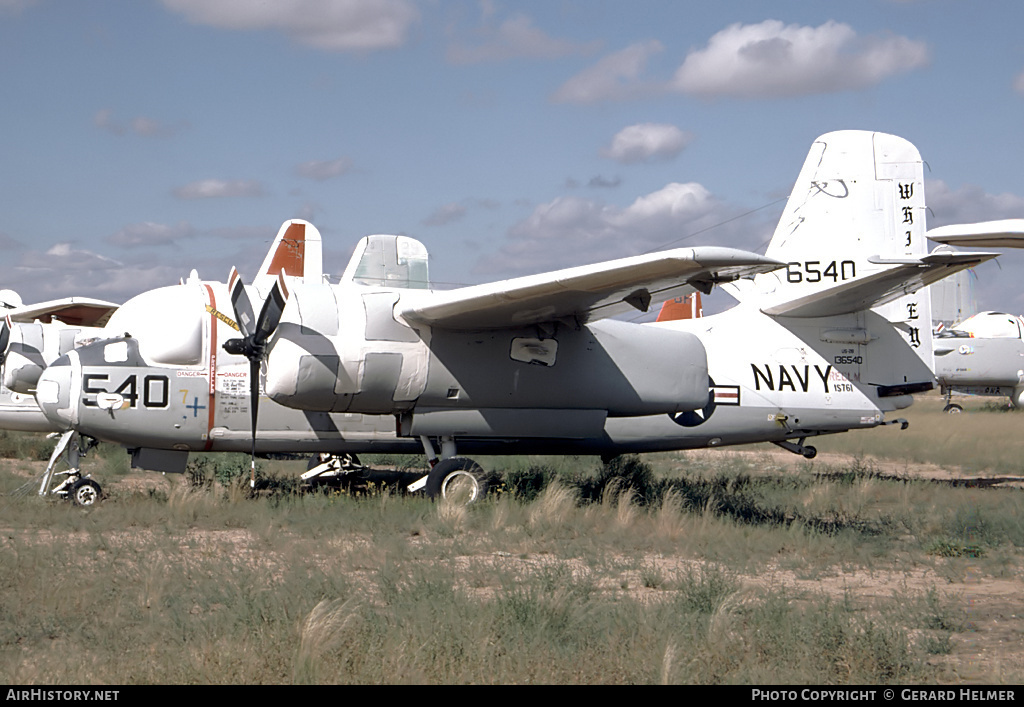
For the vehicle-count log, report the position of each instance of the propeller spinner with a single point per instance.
(252, 345)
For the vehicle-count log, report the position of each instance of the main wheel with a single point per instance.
(809, 452)
(953, 409)
(457, 479)
(85, 492)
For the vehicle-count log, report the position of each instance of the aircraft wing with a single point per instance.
(1008, 233)
(77, 311)
(880, 288)
(588, 292)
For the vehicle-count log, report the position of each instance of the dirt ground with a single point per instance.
(991, 648)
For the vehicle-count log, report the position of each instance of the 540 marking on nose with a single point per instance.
(154, 390)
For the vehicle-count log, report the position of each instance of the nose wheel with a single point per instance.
(85, 492)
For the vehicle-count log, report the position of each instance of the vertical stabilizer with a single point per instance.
(853, 237)
(686, 307)
(296, 251)
(858, 202)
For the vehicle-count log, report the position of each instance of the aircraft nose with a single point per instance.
(59, 389)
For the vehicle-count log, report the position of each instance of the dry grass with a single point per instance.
(728, 570)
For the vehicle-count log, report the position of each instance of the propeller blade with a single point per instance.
(254, 409)
(5, 338)
(255, 334)
(270, 315)
(241, 304)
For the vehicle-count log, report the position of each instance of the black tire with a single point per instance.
(809, 452)
(953, 409)
(458, 479)
(85, 492)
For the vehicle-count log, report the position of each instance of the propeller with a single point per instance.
(5, 338)
(255, 334)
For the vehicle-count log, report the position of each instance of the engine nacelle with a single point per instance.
(342, 350)
(33, 347)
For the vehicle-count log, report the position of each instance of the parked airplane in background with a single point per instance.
(33, 337)
(686, 307)
(983, 354)
(536, 364)
(66, 323)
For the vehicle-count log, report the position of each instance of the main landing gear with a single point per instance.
(456, 479)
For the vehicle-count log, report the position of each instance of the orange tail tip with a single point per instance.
(688, 307)
(296, 251)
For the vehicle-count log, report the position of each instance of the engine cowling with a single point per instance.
(33, 347)
(341, 350)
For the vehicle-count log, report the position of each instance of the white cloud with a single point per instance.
(218, 188)
(771, 59)
(321, 171)
(515, 38)
(645, 142)
(449, 213)
(614, 77)
(572, 230)
(765, 60)
(331, 25)
(995, 284)
(65, 255)
(150, 234)
(15, 6)
(141, 125)
(969, 204)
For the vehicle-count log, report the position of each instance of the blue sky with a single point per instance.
(143, 139)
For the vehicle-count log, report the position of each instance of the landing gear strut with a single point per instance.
(951, 407)
(807, 451)
(80, 490)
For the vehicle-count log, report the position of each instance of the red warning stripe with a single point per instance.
(212, 366)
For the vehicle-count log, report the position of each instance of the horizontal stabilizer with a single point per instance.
(1008, 233)
(588, 292)
(77, 311)
(906, 275)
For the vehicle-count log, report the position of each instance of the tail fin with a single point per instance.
(853, 231)
(297, 251)
(857, 206)
(686, 307)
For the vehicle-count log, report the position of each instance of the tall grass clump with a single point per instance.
(625, 474)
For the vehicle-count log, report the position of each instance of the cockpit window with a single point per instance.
(391, 261)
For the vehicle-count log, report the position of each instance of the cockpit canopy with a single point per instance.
(389, 261)
(993, 325)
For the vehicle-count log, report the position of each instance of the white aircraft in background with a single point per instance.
(536, 364)
(33, 337)
(76, 318)
(984, 354)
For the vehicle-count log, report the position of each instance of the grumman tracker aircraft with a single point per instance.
(55, 327)
(34, 336)
(983, 354)
(536, 364)
(67, 323)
